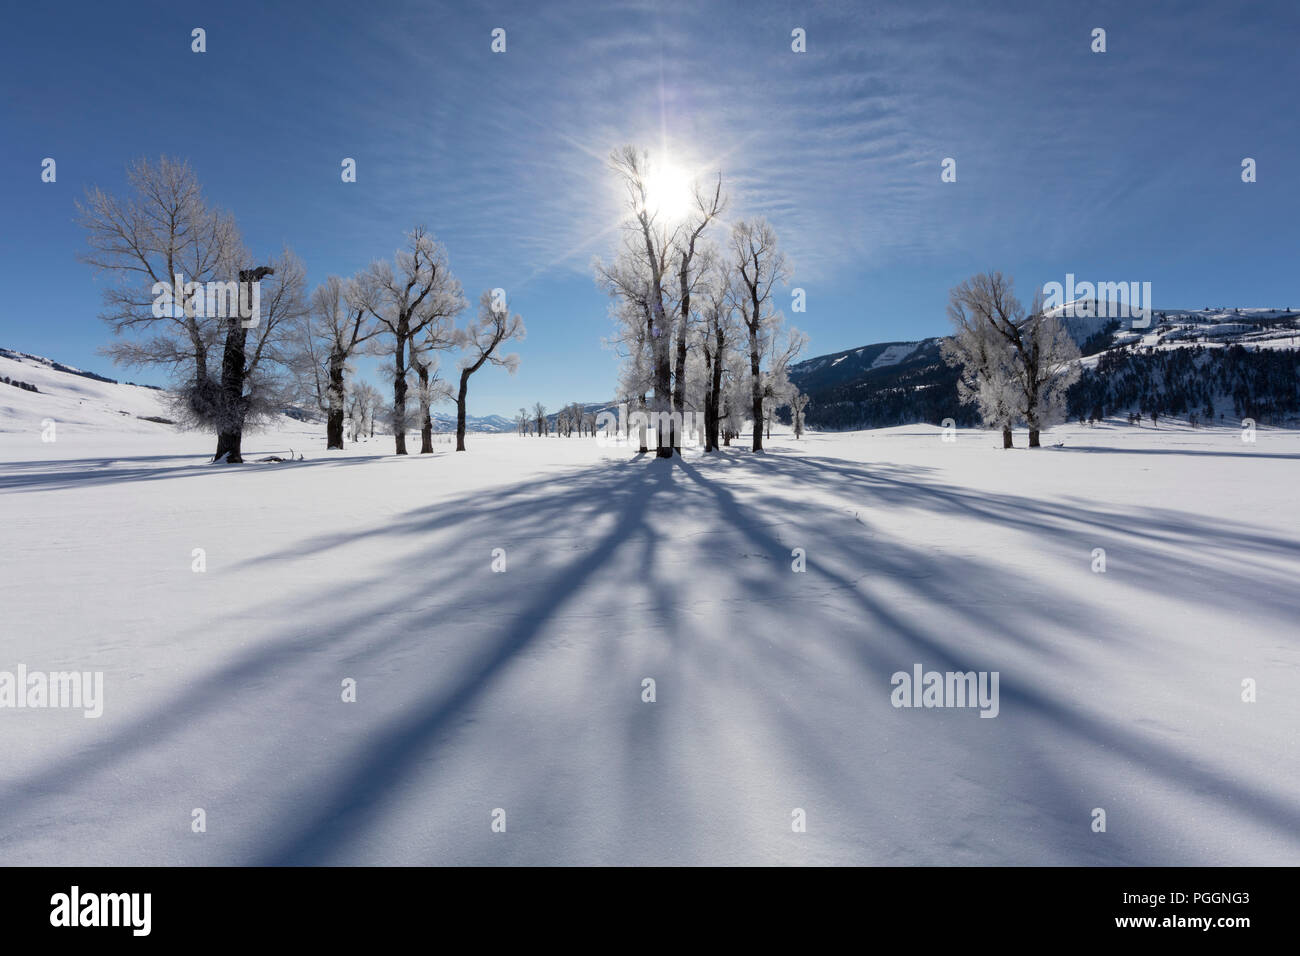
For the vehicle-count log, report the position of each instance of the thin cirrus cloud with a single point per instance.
(818, 142)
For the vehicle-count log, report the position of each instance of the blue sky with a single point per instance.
(1121, 166)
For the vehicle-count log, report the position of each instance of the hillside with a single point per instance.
(898, 383)
(34, 388)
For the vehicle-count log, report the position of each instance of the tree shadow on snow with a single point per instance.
(683, 568)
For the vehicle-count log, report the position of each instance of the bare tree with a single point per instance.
(439, 335)
(163, 230)
(479, 340)
(648, 243)
(709, 204)
(718, 341)
(1033, 359)
(407, 300)
(777, 388)
(798, 402)
(759, 267)
(370, 403)
(539, 413)
(248, 391)
(334, 329)
(1048, 366)
(984, 359)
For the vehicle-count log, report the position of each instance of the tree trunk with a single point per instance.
(426, 419)
(228, 443)
(334, 423)
(641, 430)
(1006, 438)
(708, 422)
(399, 397)
(231, 423)
(663, 391)
(1033, 438)
(460, 409)
(756, 391)
(679, 383)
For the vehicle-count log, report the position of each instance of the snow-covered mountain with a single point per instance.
(896, 383)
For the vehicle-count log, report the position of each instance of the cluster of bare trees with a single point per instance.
(697, 323)
(404, 310)
(1016, 365)
(230, 370)
(569, 420)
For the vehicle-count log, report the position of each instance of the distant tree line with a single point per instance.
(28, 386)
(1208, 383)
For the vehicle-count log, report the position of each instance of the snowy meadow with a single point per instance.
(377, 659)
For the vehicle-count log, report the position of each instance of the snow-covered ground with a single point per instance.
(522, 690)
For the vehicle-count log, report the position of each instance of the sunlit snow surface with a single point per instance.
(522, 690)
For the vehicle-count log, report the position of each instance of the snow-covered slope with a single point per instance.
(73, 399)
(80, 400)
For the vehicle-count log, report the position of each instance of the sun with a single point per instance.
(669, 193)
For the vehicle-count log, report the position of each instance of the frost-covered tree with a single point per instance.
(758, 267)
(777, 388)
(1048, 365)
(410, 294)
(333, 330)
(370, 403)
(479, 341)
(799, 402)
(693, 264)
(163, 228)
(717, 342)
(254, 357)
(627, 281)
(430, 389)
(737, 395)
(648, 243)
(984, 361)
(1023, 368)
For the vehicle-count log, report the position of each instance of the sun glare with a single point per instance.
(668, 192)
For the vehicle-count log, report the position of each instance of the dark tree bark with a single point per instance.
(334, 421)
(460, 408)
(663, 389)
(715, 387)
(756, 379)
(230, 430)
(233, 372)
(641, 429)
(399, 396)
(1006, 438)
(426, 418)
